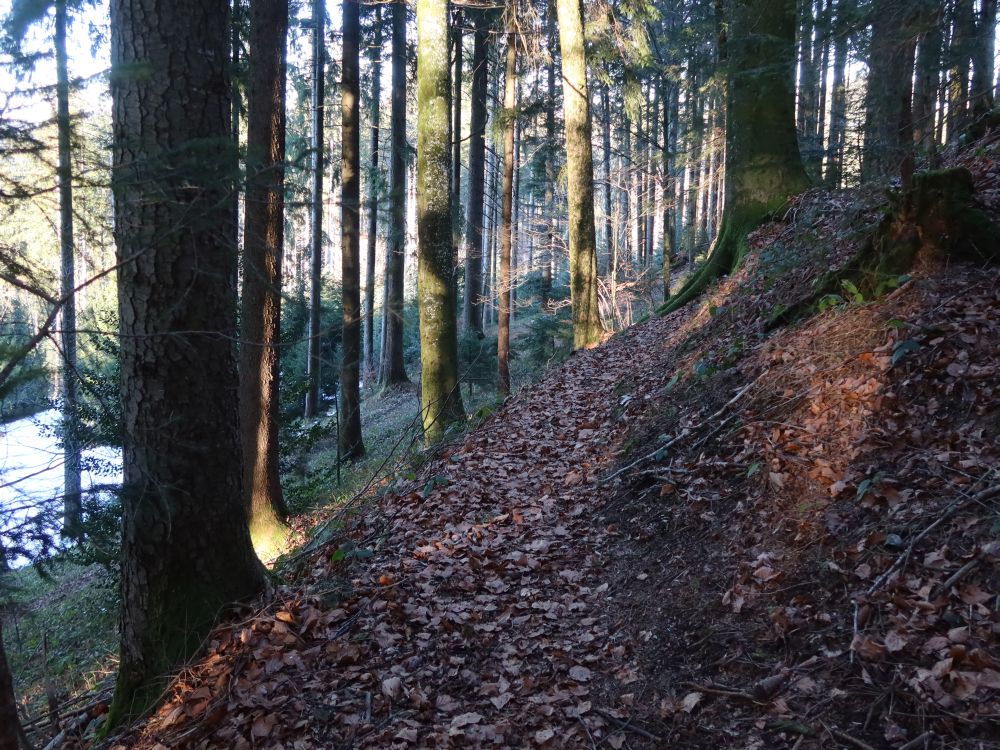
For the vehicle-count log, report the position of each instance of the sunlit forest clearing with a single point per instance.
(525, 374)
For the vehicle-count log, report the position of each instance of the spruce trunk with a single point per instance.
(260, 310)
(186, 549)
(393, 371)
(473, 303)
(506, 225)
(350, 442)
(313, 365)
(373, 188)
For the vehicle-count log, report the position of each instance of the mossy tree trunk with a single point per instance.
(763, 163)
(260, 310)
(186, 548)
(441, 400)
(509, 116)
(392, 370)
(580, 176)
(350, 441)
(473, 303)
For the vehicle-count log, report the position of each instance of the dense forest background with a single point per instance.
(260, 259)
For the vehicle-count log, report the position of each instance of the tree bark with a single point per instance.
(373, 189)
(982, 59)
(473, 303)
(763, 163)
(550, 162)
(260, 310)
(838, 100)
(887, 101)
(960, 53)
(350, 441)
(927, 79)
(9, 722)
(507, 212)
(313, 364)
(72, 513)
(441, 400)
(393, 371)
(186, 548)
(456, 144)
(580, 176)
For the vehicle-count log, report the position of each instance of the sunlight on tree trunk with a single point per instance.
(580, 176)
(260, 308)
(441, 400)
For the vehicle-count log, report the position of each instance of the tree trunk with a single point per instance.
(887, 102)
(960, 53)
(580, 176)
(927, 79)
(982, 60)
(670, 107)
(838, 100)
(350, 441)
(473, 303)
(609, 231)
(551, 221)
(506, 225)
(72, 514)
(763, 164)
(456, 145)
(186, 548)
(441, 400)
(313, 365)
(373, 188)
(260, 310)
(393, 371)
(9, 722)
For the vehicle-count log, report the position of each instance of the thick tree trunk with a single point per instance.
(669, 136)
(473, 303)
(260, 310)
(373, 185)
(580, 176)
(351, 444)
(393, 371)
(72, 514)
(507, 212)
(186, 548)
(763, 164)
(887, 102)
(441, 400)
(313, 364)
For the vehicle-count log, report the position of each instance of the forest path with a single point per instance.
(486, 612)
(471, 613)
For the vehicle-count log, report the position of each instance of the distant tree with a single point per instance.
(186, 548)
(441, 400)
(580, 176)
(23, 15)
(763, 163)
(393, 370)
(506, 212)
(313, 361)
(473, 303)
(260, 305)
(374, 183)
(351, 444)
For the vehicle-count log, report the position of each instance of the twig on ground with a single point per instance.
(626, 725)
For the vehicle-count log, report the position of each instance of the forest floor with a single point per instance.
(698, 535)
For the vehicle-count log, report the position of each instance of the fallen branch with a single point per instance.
(684, 433)
(626, 725)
